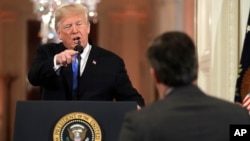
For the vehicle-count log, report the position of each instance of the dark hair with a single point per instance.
(173, 56)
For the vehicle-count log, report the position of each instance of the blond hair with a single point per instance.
(70, 9)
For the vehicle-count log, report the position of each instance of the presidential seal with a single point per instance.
(77, 126)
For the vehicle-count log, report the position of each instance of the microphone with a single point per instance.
(78, 47)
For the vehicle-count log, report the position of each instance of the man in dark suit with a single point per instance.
(183, 112)
(101, 74)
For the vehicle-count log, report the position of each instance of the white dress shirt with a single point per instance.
(84, 57)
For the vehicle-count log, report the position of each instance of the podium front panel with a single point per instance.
(36, 120)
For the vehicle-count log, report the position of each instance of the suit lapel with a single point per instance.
(92, 60)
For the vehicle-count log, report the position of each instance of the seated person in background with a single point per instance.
(184, 112)
(101, 74)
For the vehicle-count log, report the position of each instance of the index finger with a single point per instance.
(71, 52)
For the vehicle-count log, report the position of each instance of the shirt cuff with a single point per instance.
(56, 67)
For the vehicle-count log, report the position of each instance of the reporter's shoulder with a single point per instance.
(143, 116)
(234, 107)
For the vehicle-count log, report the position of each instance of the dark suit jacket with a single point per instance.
(185, 114)
(104, 78)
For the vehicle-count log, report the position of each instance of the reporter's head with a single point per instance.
(173, 58)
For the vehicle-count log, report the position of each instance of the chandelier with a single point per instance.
(45, 9)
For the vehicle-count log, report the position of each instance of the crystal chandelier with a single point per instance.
(45, 9)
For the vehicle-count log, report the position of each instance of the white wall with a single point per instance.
(218, 38)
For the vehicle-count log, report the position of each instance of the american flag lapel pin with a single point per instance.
(94, 62)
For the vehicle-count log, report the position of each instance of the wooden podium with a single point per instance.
(53, 120)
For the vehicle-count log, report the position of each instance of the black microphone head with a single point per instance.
(78, 48)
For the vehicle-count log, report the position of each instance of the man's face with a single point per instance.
(71, 28)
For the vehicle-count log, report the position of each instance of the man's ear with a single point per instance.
(58, 33)
(154, 75)
(89, 24)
